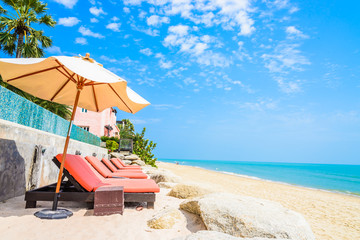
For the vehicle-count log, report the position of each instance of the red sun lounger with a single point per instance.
(114, 169)
(121, 165)
(105, 172)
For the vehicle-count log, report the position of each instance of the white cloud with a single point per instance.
(126, 10)
(142, 14)
(114, 27)
(54, 50)
(284, 58)
(115, 19)
(214, 59)
(69, 21)
(195, 46)
(227, 13)
(293, 10)
(293, 32)
(150, 32)
(260, 104)
(87, 32)
(165, 64)
(288, 86)
(67, 3)
(165, 106)
(180, 29)
(132, 2)
(156, 21)
(81, 40)
(97, 11)
(146, 51)
(94, 20)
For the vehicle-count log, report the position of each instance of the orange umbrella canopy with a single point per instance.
(58, 78)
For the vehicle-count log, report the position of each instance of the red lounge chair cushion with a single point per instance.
(127, 166)
(78, 168)
(101, 168)
(114, 169)
(109, 164)
(105, 172)
(120, 164)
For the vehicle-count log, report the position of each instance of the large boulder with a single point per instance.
(186, 191)
(148, 169)
(127, 162)
(138, 162)
(249, 217)
(132, 157)
(162, 175)
(213, 235)
(165, 219)
(117, 155)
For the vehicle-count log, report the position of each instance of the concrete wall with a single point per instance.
(26, 157)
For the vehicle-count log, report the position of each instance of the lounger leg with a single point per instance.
(150, 205)
(90, 205)
(30, 204)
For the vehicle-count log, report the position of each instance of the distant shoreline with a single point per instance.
(348, 193)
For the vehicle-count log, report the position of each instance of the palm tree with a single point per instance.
(17, 35)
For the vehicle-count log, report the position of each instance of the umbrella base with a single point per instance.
(53, 214)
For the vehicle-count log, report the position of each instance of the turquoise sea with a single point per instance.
(331, 177)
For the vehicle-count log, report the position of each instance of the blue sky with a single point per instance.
(265, 80)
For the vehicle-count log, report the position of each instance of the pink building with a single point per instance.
(98, 123)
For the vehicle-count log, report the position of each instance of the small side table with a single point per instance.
(109, 200)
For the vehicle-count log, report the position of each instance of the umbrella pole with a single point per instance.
(56, 197)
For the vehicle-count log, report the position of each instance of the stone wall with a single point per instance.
(26, 157)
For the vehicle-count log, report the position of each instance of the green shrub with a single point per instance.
(143, 148)
(112, 145)
(106, 138)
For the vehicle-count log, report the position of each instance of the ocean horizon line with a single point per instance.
(227, 160)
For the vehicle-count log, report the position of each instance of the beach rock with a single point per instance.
(127, 162)
(243, 216)
(186, 191)
(148, 169)
(165, 219)
(116, 155)
(138, 162)
(162, 175)
(167, 184)
(132, 157)
(213, 235)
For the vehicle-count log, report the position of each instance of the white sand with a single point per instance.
(19, 223)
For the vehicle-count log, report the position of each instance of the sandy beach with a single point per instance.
(332, 216)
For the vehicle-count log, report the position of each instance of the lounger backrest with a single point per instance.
(115, 161)
(78, 168)
(109, 164)
(99, 166)
(121, 162)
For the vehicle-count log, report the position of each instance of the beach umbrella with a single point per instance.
(76, 81)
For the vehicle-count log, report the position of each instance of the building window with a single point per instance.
(84, 110)
(85, 128)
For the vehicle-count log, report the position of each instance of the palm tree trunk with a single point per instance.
(20, 42)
